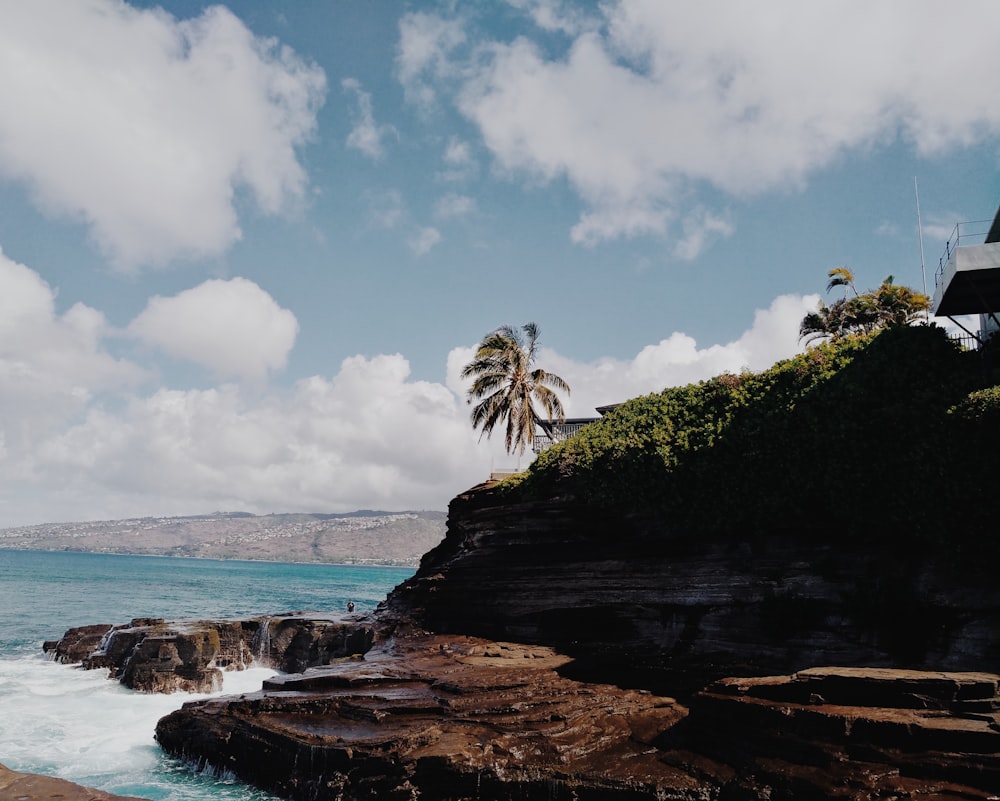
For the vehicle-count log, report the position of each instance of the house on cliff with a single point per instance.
(967, 280)
(566, 429)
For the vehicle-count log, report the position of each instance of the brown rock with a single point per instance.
(876, 733)
(15, 786)
(438, 718)
(77, 643)
(155, 655)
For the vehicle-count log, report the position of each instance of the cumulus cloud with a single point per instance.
(52, 365)
(426, 42)
(366, 135)
(233, 328)
(366, 438)
(661, 100)
(674, 361)
(80, 440)
(557, 15)
(145, 127)
(423, 239)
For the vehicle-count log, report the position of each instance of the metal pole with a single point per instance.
(920, 236)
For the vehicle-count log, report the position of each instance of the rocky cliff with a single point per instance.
(538, 650)
(670, 613)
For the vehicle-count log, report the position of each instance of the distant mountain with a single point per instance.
(362, 537)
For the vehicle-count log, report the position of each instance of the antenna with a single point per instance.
(920, 236)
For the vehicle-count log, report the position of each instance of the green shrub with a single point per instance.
(980, 406)
(846, 439)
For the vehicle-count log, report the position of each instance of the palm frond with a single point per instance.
(505, 387)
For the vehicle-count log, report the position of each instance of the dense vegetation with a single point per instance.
(871, 434)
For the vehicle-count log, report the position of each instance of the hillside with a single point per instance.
(366, 537)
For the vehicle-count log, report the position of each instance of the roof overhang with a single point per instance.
(970, 283)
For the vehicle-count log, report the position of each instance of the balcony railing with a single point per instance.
(972, 232)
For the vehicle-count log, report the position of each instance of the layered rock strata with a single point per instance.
(606, 600)
(854, 733)
(438, 718)
(155, 655)
(450, 718)
(637, 604)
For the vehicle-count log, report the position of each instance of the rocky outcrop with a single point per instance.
(853, 733)
(438, 718)
(454, 718)
(16, 786)
(77, 643)
(638, 605)
(155, 655)
(538, 651)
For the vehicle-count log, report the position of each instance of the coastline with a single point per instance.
(367, 563)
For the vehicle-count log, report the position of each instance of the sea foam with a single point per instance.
(79, 725)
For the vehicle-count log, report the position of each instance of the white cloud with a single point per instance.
(460, 165)
(51, 365)
(699, 227)
(367, 438)
(674, 361)
(385, 209)
(79, 441)
(457, 153)
(144, 127)
(941, 228)
(423, 239)
(365, 136)
(233, 328)
(454, 205)
(426, 42)
(666, 100)
(557, 15)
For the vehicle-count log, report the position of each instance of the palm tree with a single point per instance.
(505, 387)
(841, 276)
(889, 305)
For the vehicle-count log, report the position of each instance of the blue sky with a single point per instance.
(247, 249)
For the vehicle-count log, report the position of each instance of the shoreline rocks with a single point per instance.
(437, 717)
(155, 655)
(17, 786)
(450, 717)
(539, 650)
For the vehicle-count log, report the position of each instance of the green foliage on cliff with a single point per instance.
(870, 434)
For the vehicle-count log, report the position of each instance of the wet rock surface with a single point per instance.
(156, 655)
(438, 717)
(15, 786)
(435, 717)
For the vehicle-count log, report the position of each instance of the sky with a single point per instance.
(246, 250)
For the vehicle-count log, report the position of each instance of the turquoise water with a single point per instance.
(78, 725)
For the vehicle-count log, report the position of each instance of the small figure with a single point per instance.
(350, 606)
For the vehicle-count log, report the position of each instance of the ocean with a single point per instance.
(78, 725)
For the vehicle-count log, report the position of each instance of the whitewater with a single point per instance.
(79, 725)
